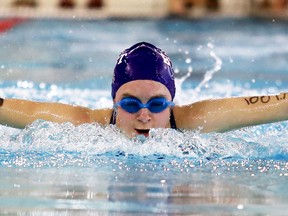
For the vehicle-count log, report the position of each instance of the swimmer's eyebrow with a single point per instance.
(133, 96)
(128, 95)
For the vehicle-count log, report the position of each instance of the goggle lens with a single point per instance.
(133, 105)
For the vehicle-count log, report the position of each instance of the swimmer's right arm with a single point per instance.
(221, 115)
(19, 113)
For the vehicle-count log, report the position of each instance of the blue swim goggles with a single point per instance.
(154, 105)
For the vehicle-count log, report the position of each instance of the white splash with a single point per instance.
(209, 74)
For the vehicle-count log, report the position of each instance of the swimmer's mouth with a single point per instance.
(144, 132)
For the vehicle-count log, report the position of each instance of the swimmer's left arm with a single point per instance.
(222, 115)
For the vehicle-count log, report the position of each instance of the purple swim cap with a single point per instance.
(143, 61)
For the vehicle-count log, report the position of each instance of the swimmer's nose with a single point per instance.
(144, 115)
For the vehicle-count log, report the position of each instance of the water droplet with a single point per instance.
(188, 60)
(240, 207)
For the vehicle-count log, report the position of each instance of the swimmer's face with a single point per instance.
(139, 123)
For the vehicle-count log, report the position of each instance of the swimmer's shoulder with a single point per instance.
(187, 116)
(101, 116)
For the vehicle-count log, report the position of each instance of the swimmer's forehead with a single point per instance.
(134, 96)
(144, 90)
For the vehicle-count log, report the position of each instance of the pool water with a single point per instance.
(61, 169)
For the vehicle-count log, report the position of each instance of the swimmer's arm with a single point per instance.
(19, 113)
(220, 115)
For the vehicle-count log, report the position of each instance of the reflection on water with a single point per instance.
(221, 188)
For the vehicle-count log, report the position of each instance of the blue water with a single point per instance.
(60, 169)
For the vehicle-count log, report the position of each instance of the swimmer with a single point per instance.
(143, 90)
